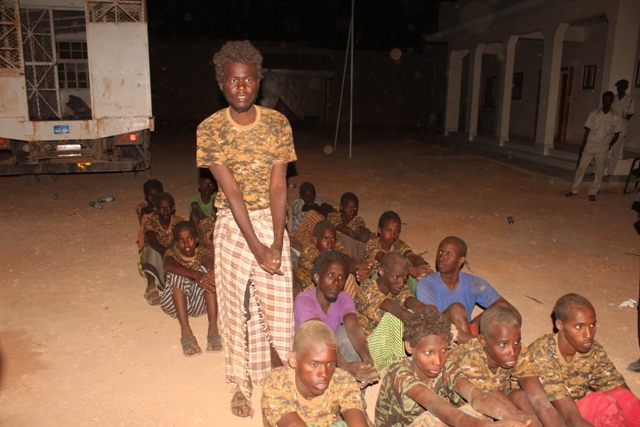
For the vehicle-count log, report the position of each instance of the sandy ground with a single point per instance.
(81, 347)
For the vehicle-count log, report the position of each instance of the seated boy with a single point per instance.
(576, 373)
(326, 302)
(158, 237)
(190, 291)
(388, 240)
(201, 204)
(324, 234)
(454, 293)
(383, 305)
(497, 362)
(352, 230)
(422, 390)
(151, 189)
(307, 202)
(312, 391)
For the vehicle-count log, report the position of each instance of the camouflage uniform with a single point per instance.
(280, 396)
(395, 409)
(472, 361)
(206, 228)
(193, 293)
(250, 152)
(164, 235)
(355, 223)
(139, 208)
(368, 302)
(308, 257)
(592, 371)
(373, 247)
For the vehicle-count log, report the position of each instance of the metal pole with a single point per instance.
(353, 11)
(344, 77)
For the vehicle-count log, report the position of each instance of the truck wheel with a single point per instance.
(30, 179)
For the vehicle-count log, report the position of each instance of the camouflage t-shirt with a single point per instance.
(249, 151)
(592, 371)
(193, 263)
(139, 208)
(373, 247)
(395, 409)
(280, 397)
(164, 235)
(472, 360)
(355, 223)
(206, 226)
(308, 257)
(368, 300)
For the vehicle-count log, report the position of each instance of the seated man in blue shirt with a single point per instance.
(454, 293)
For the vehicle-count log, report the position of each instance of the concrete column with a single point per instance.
(473, 97)
(504, 114)
(622, 40)
(454, 83)
(549, 86)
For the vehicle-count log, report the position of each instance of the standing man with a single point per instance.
(247, 148)
(623, 107)
(602, 130)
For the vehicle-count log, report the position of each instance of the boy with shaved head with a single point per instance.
(313, 391)
(576, 373)
(383, 304)
(497, 362)
(454, 293)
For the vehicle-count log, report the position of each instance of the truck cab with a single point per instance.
(75, 91)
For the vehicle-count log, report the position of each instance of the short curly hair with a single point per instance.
(237, 51)
(423, 323)
(388, 216)
(325, 256)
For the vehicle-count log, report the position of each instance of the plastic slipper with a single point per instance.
(152, 297)
(214, 343)
(241, 405)
(190, 346)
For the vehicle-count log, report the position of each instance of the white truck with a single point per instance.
(75, 90)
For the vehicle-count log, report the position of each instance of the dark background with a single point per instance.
(380, 25)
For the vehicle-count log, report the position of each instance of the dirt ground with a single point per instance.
(81, 347)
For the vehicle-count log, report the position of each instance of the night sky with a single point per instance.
(380, 25)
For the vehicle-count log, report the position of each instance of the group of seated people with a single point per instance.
(368, 310)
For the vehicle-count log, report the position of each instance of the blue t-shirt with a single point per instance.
(471, 290)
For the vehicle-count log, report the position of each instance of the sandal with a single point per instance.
(190, 346)
(152, 297)
(240, 405)
(214, 343)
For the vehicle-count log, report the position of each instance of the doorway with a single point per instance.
(564, 100)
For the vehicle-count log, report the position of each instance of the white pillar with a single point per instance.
(454, 83)
(622, 41)
(506, 89)
(549, 86)
(473, 103)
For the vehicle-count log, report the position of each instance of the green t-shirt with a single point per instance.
(206, 208)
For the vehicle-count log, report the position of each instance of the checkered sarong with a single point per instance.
(270, 302)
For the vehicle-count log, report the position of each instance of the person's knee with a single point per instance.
(456, 313)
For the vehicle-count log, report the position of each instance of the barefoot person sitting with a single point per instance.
(328, 303)
(579, 378)
(497, 362)
(190, 290)
(427, 389)
(455, 293)
(312, 391)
